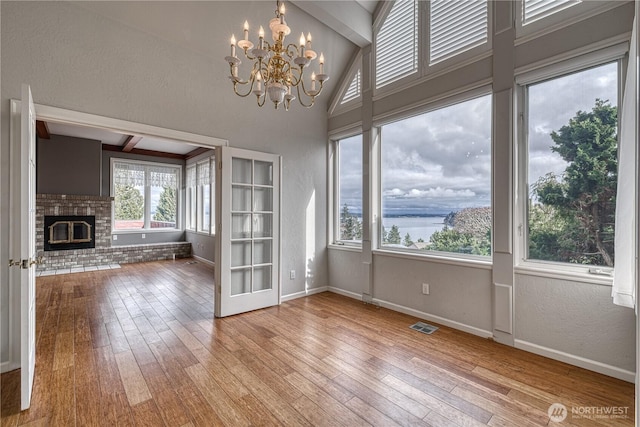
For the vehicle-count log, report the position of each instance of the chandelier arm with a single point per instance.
(291, 50)
(313, 98)
(264, 99)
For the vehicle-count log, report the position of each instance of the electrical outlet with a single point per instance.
(425, 288)
(115, 237)
(144, 236)
(292, 274)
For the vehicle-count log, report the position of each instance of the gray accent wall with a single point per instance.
(202, 245)
(68, 165)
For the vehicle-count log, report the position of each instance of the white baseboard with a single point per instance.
(301, 294)
(342, 292)
(204, 260)
(419, 314)
(8, 366)
(592, 365)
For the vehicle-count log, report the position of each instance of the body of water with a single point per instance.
(417, 227)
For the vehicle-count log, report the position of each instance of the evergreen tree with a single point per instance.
(394, 236)
(407, 240)
(584, 196)
(129, 203)
(350, 225)
(166, 209)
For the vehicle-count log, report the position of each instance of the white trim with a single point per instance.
(8, 366)
(302, 294)
(595, 54)
(204, 260)
(557, 21)
(60, 115)
(344, 293)
(456, 96)
(345, 247)
(445, 258)
(346, 131)
(574, 360)
(336, 107)
(406, 83)
(417, 313)
(561, 272)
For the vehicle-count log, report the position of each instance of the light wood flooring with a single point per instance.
(139, 346)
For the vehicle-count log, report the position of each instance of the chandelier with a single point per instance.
(277, 68)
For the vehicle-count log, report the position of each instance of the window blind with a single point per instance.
(204, 177)
(353, 91)
(397, 43)
(455, 27)
(191, 176)
(533, 10)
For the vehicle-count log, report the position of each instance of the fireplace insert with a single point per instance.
(69, 232)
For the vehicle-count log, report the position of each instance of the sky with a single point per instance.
(440, 161)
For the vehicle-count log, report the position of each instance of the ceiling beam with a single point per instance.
(130, 142)
(200, 150)
(347, 18)
(119, 149)
(42, 130)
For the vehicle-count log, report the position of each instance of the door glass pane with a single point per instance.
(262, 251)
(262, 225)
(264, 173)
(262, 278)
(240, 198)
(241, 171)
(240, 226)
(240, 254)
(263, 200)
(240, 281)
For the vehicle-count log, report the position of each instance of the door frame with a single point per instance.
(61, 115)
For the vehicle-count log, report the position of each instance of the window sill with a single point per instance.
(440, 259)
(574, 274)
(146, 230)
(347, 248)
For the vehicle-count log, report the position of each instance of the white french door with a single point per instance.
(22, 234)
(248, 235)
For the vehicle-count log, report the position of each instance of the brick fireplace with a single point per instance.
(70, 207)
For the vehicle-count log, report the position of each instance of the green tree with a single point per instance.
(407, 240)
(583, 197)
(166, 209)
(350, 225)
(450, 240)
(129, 203)
(394, 235)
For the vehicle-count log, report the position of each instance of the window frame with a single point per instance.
(190, 199)
(147, 197)
(438, 256)
(522, 264)
(426, 70)
(335, 189)
(557, 20)
(198, 195)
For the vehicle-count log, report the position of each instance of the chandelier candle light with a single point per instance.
(278, 66)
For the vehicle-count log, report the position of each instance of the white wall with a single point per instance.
(76, 59)
(568, 320)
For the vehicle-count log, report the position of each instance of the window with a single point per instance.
(145, 195)
(436, 180)
(204, 196)
(349, 181)
(191, 202)
(448, 29)
(455, 27)
(396, 46)
(200, 190)
(533, 10)
(571, 166)
(353, 91)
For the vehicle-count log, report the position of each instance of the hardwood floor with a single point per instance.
(139, 346)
